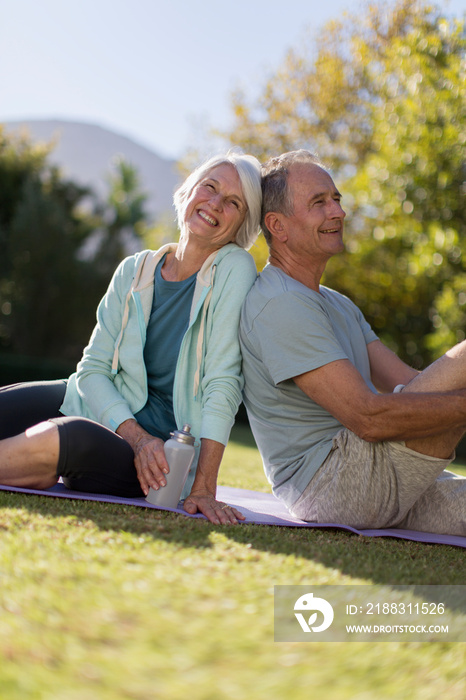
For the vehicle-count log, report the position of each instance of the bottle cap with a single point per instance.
(183, 435)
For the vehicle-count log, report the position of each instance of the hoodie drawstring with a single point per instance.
(124, 319)
(200, 338)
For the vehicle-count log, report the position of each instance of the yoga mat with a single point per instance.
(259, 508)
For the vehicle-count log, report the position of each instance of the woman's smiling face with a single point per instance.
(216, 207)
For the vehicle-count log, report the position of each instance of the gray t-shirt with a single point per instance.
(288, 329)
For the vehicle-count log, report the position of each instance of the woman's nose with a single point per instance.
(216, 201)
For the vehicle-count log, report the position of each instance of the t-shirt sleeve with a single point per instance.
(294, 335)
(366, 328)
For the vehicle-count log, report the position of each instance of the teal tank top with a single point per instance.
(168, 323)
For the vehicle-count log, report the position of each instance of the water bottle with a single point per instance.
(179, 451)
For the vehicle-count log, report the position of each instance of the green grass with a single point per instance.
(102, 602)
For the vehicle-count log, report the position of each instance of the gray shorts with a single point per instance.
(384, 484)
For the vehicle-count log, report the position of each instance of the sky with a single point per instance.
(159, 72)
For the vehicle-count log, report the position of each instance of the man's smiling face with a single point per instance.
(316, 226)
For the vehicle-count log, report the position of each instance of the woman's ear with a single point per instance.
(275, 224)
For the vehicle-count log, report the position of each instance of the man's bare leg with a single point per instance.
(30, 459)
(448, 373)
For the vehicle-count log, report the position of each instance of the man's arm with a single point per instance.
(340, 389)
(387, 370)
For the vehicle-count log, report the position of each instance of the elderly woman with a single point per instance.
(164, 352)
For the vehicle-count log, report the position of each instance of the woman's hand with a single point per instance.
(202, 497)
(149, 456)
(150, 462)
(217, 512)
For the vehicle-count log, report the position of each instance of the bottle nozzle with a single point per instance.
(183, 435)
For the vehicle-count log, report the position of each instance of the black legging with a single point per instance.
(92, 458)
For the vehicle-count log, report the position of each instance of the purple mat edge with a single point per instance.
(238, 498)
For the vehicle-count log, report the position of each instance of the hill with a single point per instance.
(85, 153)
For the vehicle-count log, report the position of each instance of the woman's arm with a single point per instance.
(202, 498)
(94, 378)
(221, 383)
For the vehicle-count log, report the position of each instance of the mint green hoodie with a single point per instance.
(110, 384)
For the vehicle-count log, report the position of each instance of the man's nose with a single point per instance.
(336, 210)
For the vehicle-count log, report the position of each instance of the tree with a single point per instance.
(47, 293)
(123, 219)
(59, 247)
(381, 101)
(19, 159)
(407, 193)
(49, 284)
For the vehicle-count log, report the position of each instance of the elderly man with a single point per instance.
(348, 433)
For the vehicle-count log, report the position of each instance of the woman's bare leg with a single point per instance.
(30, 459)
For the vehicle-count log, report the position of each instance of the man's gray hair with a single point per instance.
(249, 172)
(275, 192)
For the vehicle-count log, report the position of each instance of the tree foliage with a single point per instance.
(380, 98)
(52, 271)
(43, 284)
(123, 218)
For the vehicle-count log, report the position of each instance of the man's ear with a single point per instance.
(275, 224)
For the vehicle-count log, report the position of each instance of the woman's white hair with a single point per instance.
(249, 172)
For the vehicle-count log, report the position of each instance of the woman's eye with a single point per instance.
(209, 185)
